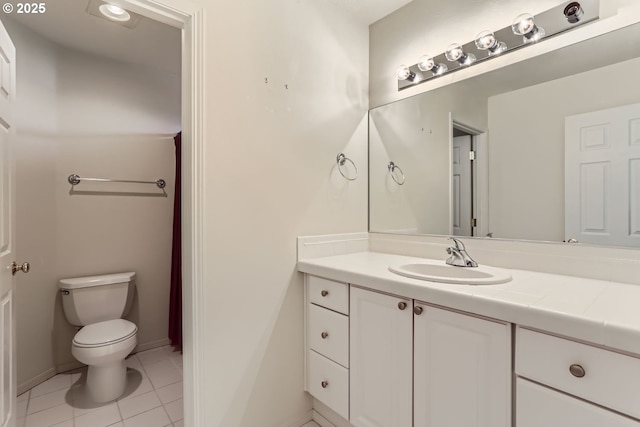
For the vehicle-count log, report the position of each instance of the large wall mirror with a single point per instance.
(556, 140)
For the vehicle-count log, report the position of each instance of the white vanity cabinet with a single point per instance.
(559, 378)
(381, 359)
(327, 343)
(415, 364)
(462, 369)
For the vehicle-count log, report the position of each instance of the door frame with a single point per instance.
(479, 177)
(189, 17)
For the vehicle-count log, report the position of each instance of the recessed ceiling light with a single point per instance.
(115, 13)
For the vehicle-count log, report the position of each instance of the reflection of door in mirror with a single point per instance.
(461, 194)
(602, 176)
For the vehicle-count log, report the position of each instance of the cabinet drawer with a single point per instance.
(539, 406)
(610, 379)
(329, 383)
(328, 334)
(327, 293)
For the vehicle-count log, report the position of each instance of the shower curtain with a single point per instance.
(175, 297)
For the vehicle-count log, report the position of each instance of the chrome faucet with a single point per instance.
(459, 256)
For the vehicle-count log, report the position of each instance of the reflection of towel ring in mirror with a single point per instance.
(392, 168)
(342, 159)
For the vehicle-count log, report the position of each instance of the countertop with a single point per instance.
(596, 311)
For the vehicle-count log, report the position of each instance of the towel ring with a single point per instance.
(342, 159)
(392, 168)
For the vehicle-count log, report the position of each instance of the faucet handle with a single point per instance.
(458, 244)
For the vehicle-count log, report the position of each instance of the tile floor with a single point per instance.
(153, 397)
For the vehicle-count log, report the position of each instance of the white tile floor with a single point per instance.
(153, 397)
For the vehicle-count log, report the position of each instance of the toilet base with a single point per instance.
(107, 382)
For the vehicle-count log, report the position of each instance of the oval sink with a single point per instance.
(444, 273)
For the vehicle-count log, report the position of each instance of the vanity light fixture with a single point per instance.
(114, 12)
(486, 40)
(524, 30)
(426, 63)
(455, 53)
(525, 26)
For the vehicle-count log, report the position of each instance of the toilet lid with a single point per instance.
(104, 333)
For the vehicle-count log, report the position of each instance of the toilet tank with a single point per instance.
(93, 299)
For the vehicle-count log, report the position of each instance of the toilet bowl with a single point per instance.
(103, 347)
(98, 303)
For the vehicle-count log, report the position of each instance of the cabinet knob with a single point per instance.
(324, 293)
(324, 335)
(402, 305)
(324, 384)
(417, 310)
(577, 371)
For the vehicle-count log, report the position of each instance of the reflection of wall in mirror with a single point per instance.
(526, 146)
(415, 135)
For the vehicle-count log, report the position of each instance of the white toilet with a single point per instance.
(98, 303)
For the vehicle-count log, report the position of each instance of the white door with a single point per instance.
(462, 370)
(538, 406)
(461, 186)
(380, 359)
(8, 386)
(602, 177)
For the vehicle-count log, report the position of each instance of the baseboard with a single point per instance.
(40, 378)
(70, 366)
(151, 345)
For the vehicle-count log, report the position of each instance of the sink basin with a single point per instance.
(444, 273)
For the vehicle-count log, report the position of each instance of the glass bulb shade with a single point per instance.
(403, 72)
(523, 24)
(426, 63)
(486, 40)
(113, 12)
(454, 52)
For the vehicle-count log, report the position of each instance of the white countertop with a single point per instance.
(597, 311)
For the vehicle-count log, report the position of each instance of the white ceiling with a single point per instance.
(150, 43)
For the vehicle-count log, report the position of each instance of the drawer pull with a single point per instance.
(324, 293)
(402, 305)
(417, 310)
(577, 371)
(324, 384)
(324, 335)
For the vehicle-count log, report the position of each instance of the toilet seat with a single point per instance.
(104, 333)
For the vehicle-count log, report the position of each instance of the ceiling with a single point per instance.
(151, 43)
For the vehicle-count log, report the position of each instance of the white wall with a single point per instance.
(518, 190)
(429, 26)
(269, 177)
(81, 114)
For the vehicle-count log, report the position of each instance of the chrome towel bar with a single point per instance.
(74, 179)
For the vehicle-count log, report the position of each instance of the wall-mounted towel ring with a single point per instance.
(342, 159)
(398, 179)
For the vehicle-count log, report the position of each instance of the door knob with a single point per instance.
(15, 267)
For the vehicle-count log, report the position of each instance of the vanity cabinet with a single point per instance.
(381, 359)
(558, 378)
(416, 364)
(462, 369)
(327, 342)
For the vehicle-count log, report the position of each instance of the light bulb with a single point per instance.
(425, 63)
(455, 53)
(486, 40)
(524, 25)
(404, 73)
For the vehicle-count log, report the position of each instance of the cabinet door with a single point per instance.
(380, 365)
(462, 368)
(538, 406)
